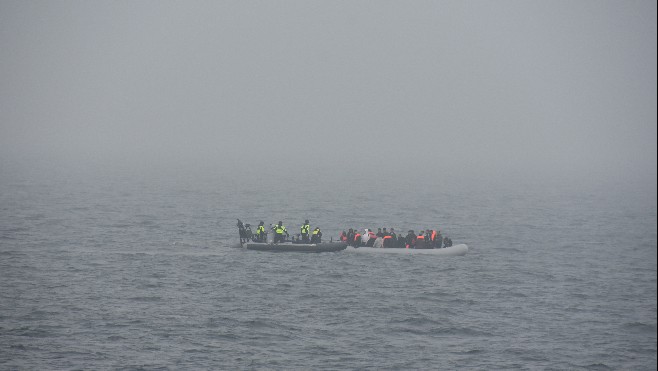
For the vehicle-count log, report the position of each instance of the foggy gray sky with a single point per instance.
(555, 88)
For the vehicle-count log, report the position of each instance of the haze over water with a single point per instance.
(132, 135)
(104, 271)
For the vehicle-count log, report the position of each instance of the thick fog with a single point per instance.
(555, 89)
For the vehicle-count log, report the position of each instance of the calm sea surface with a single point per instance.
(105, 269)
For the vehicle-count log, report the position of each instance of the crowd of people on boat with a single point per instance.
(425, 239)
(280, 233)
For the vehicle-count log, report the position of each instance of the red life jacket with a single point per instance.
(357, 237)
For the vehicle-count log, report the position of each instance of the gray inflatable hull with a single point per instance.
(296, 247)
(455, 250)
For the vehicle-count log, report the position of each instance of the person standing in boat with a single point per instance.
(260, 232)
(356, 241)
(317, 235)
(242, 231)
(393, 235)
(438, 240)
(389, 241)
(365, 237)
(411, 239)
(447, 242)
(304, 231)
(372, 237)
(279, 231)
(350, 236)
(401, 241)
(420, 240)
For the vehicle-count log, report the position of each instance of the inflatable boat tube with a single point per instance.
(296, 247)
(455, 250)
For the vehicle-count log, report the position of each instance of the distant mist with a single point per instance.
(479, 89)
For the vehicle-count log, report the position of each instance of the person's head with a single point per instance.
(306, 221)
(260, 223)
(392, 230)
(280, 222)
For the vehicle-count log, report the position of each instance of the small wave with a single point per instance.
(194, 350)
(146, 298)
(463, 331)
(415, 321)
(598, 366)
(227, 336)
(640, 328)
(451, 331)
(510, 249)
(189, 244)
(121, 225)
(472, 351)
(34, 217)
(421, 326)
(30, 332)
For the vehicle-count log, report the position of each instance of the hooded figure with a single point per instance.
(260, 232)
(243, 232)
(279, 231)
(317, 236)
(305, 230)
(365, 237)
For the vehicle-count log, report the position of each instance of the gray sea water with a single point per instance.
(128, 269)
